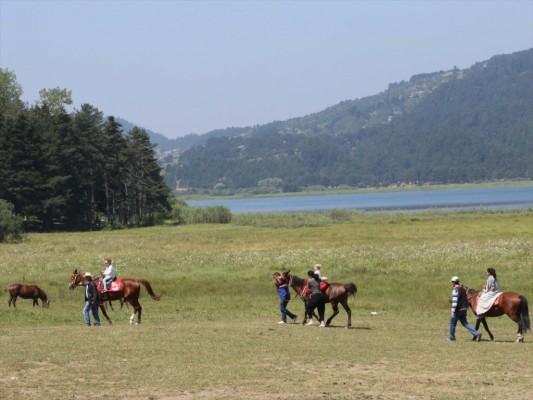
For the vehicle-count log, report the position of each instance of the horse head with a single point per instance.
(76, 279)
(287, 276)
(44, 298)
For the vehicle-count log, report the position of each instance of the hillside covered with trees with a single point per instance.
(452, 126)
(76, 170)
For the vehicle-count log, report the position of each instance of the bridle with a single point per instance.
(75, 280)
(471, 297)
(299, 290)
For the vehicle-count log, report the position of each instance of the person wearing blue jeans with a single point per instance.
(459, 309)
(284, 298)
(91, 301)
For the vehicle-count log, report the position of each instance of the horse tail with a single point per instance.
(149, 289)
(525, 324)
(351, 289)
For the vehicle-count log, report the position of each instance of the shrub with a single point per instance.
(10, 224)
(209, 215)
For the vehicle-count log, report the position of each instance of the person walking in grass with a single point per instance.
(91, 301)
(317, 299)
(459, 302)
(284, 297)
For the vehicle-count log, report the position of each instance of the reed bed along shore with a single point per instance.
(214, 334)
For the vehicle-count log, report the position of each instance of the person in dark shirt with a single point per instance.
(91, 301)
(317, 299)
(459, 309)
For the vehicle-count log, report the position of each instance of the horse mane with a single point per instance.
(297, 281)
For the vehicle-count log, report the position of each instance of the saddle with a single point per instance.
(114, 287)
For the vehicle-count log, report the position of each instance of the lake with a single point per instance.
(517, 197)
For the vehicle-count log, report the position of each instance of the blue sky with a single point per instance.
(178, 67)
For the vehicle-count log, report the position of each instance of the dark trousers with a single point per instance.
(284, 311)
(318, 301)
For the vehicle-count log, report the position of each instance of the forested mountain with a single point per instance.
(75, 170)
(451, 126)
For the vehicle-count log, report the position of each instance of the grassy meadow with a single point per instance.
(214, 334)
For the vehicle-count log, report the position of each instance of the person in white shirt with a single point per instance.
(108, 275)
(318, 272)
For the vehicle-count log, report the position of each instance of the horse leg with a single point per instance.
(35, 302)
(304, 321)
(348, 311)
(484, 322)
(104, 312)
(335, 308)
(137, 309)
(519, 333)
(11, 300)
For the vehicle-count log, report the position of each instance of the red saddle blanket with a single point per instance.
(115, 285)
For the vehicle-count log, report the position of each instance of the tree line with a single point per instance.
(75, 170)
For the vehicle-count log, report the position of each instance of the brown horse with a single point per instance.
(335, 293)
(510, 303)
(129, 291)
(27, 292)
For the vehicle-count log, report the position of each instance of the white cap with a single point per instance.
(455, 279)
(88, 274)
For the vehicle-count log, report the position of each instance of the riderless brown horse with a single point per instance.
(27, 292)
(335, 293)
(510, 303)
(129, 291)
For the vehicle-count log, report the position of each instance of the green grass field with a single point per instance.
(214, 334)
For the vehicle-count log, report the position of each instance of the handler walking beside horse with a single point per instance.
(459, 310)
(317, 299)
(91, 300)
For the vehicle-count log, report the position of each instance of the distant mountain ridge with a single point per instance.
(443, 127)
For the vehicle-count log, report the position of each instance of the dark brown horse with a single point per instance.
(128, 290)
(335, 293)
(510, 303)
(27, 292)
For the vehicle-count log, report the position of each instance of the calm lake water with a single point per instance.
(520, 197)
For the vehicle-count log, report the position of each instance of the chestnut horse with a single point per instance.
(335, 293)
(27, 292)
(510, 303)
(129, 291)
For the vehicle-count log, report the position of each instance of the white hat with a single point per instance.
(88, 275)
(455, 279)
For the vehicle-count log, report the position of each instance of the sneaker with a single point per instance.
(322, 324)
(478, 338)
(294, 319)
(450, 340)
(309, 323)
(281, 322)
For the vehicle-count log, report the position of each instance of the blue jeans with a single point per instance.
(94, 309)
(460, 316)
(284, 311)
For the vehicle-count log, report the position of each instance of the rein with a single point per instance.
(471, 297)
(299, 290)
